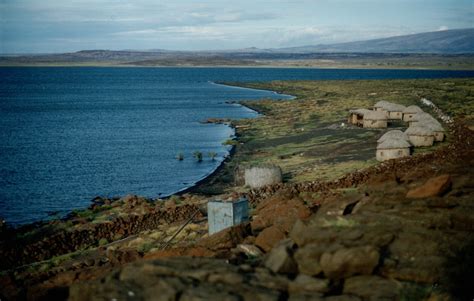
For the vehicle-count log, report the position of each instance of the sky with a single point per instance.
(53, 26)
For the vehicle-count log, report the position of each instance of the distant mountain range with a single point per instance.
(447, 41)
(438, 45)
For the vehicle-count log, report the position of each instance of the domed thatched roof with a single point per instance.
(381, 104)
(359, 111)
(388, 106)
(375, 115)
(394, 107)
(423, 116)
(418, 130)
(412, 110)
(394, 134)
(394, 143)
(432, 125)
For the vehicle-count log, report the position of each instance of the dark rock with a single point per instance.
(308, 257)
(280, 259)
(372, 288)
(433, 187)
(307, 284)
(342, 298)
(269, 237)
(349, 261)
(414, 256)
(306, 297)
(250, 251)
(263, 277)
(227, 238)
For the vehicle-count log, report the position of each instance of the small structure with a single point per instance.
(392, 148)
(421, 116)
(394, 134)
(394, 111)
(225, 214)
(381, 105)
(356, 117)
(262, 175)
(410, 111)
(435, 127)
(420, 135)
(375, 119)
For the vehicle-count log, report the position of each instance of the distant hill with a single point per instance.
(447, 41)
(452, 49)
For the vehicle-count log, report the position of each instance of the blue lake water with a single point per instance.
(70, 134)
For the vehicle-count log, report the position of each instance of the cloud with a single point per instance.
(175, 32)
(443, 28)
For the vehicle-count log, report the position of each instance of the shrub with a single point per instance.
(212, 155)
(230, 142)
(198, 156)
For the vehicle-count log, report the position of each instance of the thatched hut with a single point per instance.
(420, 135)
(421, 116)
(356, 117)
(435, 127)
(381, 105)
(375, 119)
(394, 111)
(262, 175)
(392, 148)
(410, 111)
(394, 134)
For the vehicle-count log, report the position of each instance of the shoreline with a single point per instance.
(347, 67)
(208, 178)
(365, 212)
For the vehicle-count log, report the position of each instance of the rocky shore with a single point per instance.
(398, 230)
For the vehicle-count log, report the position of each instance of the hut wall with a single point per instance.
(395, 115)
(387, 154)
(260, 176)
(408, 117)
(375, 124)
(438, 136)
(421, 140)
(355, 119)
(352, 118)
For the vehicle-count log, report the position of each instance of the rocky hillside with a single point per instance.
(400, 231)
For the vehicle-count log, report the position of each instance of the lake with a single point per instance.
(72, 133)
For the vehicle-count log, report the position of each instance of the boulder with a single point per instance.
(269, 237)
(306, 297)
(308, 284)
(308, 257)
(346, 262)
(280, 259)
(433, 187)
(372, 288)
(281, 211)
(225, 239)
(250, 251)
(342, 298)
